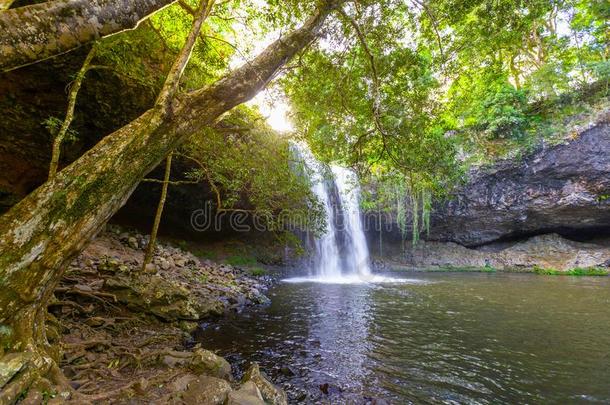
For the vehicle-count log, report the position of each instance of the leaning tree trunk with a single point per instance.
(33, 33)
(44, 232)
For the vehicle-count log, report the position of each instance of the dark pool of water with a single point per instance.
(458, 338)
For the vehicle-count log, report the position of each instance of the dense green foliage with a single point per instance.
(248, 168)
(414, 92)
(410, 94)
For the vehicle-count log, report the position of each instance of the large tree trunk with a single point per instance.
(40, 235)
(33, 33)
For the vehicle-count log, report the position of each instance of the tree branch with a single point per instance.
(59, 138)
(175, 74)
(375, 79)
(150, 249)
(37, 32)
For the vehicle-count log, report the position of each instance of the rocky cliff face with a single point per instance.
(563, 189)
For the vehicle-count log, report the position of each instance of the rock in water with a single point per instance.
(271, 393)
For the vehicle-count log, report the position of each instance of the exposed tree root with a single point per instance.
(98, 348)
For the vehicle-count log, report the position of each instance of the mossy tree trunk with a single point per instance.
(33, 33)
(43, 233)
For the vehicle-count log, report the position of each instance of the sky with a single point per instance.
(271, 102)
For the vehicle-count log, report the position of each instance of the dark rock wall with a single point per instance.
(563, 189)
(30, 95)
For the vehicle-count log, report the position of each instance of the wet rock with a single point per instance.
(271, 393)
(301, 395)
(206, 362)
(248, 394)
(287, 371)
(206, 390)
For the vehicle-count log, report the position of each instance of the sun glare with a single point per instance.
(275, 109)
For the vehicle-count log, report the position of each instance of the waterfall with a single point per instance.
(357, 251)
(343, 220)
(326, 260)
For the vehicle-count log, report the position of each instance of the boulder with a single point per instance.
(272, 394)
(206, 362)
(206, 390)
(248, 394)
(168, 299)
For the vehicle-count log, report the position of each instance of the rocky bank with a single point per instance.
(124, 336)
(549, 252)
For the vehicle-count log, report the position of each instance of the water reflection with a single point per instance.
(462, 338)
(342, 322)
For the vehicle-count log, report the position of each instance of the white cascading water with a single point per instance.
(349, 265)
(326, 260)
(328, 264)
(357, 251)
(327, 252)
